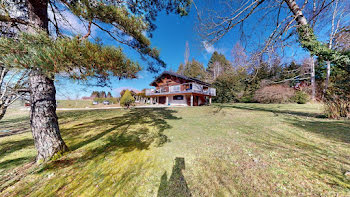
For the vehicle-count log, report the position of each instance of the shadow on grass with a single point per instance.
(263, 109)
(14, 126)
(144, 117)
(322, 160)
(135, 129)
(13, 146)
(334, 130)
(327, 164)
(177, 185)
(12, 163)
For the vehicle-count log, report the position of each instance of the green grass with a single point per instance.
(221, 150)
(81, 104)
(75, 104)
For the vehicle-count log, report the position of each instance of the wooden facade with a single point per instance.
(174, 89)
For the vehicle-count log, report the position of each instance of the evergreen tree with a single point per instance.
(217, 65)
(45, 57)
(103, 94)
(127, 99)
(109, 95)
(195, 69)
(230, 87)
(180, 70)
(95, 94)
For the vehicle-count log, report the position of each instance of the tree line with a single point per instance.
(101, 96)
(290, 24)
(263, 77)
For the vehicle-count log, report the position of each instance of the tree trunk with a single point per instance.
(2, 111)
(301, 20)
(327, 77)
(313, 84)
(43, 118)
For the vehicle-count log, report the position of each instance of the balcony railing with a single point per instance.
(183, 88)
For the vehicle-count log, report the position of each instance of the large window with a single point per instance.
(176, 88)
(178, 97)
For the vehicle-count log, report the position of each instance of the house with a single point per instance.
(174, 89)
(87, 98)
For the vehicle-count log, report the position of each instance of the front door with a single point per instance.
(162, 100)
(195, 100)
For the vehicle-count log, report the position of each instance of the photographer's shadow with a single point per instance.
(177, 185)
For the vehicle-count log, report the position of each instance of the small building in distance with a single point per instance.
(174, 89)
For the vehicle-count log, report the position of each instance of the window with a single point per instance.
(176, 88)
(178, 97)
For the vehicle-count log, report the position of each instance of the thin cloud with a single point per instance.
(68, 22)
(209, 48)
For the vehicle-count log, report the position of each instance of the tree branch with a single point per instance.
(8, 19)
(88, 31)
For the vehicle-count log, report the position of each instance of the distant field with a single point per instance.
(220, 150)
(81, 104)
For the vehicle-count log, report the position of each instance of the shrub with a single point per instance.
(300, 97)
(99, 100)
(112, 100)
(337, 107)
(274, 94)
(229, 87)
(127, 99)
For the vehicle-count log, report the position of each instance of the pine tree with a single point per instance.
(95, 94)
(109, 95)
(217, 65)
(76, 56)
(195, 69)
(103, 94)
(180, 70)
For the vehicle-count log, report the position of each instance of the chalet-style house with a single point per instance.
(174, 89)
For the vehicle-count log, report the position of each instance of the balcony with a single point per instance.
(180, 89)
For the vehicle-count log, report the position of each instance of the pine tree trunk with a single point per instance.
(43, 118)
(44, 121)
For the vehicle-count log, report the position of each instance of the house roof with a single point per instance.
(136, 91)
(179, 76)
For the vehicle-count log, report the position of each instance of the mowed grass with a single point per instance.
(220, 150)
(81, 104)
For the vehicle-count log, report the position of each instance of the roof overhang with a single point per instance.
(153, 83)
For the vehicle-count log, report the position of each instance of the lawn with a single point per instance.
(220, 150)
(81, 104)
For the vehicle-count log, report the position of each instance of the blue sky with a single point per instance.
(170, 37)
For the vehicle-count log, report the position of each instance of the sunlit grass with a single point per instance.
(228, 150)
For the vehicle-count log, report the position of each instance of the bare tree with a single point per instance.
(13, 85)
(13, 82)
(217, 70)
(283, 20)
(342, 39)
(291, 21)
(338, 14)
(240, 58)
(309, 65)
(187, 53)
